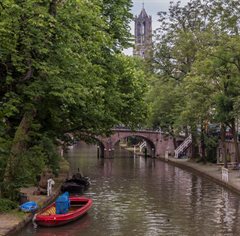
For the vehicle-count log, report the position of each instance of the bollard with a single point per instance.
(49, 186)
(98, 152)
(224, 174)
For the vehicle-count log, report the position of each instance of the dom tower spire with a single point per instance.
(143, 34)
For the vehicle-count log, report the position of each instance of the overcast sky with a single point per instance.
(152, 7)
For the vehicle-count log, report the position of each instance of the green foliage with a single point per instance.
(70, 68)
(202, 56)
(3, 162)
(4, 150)
(197, 46)
(10, 190)
(30, 165)
(131, 88)
(52, 158)
(62, 71)
(7, 205)
(174, 104)
(34, 160)
(118, 16)
(165, 98)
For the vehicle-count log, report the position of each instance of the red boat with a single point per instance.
(48, 217)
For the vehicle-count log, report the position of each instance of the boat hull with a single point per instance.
(72, 187)
(79, 207)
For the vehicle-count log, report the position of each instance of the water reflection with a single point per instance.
(141, 197)
(74, 228)
(106, 166)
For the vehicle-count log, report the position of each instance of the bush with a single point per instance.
(211, 149)
(52, 157)
(7, 205)
(30, 165)
(9, 190)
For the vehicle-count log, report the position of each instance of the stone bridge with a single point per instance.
(157, 142)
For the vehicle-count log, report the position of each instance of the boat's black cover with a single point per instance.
(77, 184)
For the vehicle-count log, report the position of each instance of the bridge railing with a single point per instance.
(137, 130)
(142, 145)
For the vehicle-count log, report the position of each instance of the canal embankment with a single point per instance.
(209, 170)
(146, 196)
(13, 221)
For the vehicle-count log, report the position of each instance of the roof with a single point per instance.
(143, 14)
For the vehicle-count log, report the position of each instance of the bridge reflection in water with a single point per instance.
(146, 197)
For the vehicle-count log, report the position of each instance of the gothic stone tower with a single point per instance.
(143, 34)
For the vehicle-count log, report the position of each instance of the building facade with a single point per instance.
(143, 35)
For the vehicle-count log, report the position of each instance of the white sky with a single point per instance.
(152, 7)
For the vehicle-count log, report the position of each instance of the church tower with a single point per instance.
(143, 34)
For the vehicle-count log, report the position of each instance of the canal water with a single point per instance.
(134, 196)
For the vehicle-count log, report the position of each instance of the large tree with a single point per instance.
(62, 70)
(198, 44)
(176, 47)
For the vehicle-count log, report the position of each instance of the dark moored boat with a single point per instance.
(77, 184)
(49, 217)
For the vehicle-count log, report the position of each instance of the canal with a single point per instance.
(134, 196)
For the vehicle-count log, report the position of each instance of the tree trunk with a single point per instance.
(18, 145)
(203, 146)
(174, 142)
(235, 139)
(53, 8)
(174, 137)
(223, 141)
(195, 149)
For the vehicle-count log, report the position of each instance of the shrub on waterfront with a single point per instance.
(211, 149)
(29, 168)
(52, 157)
(9, 190)
(7, 205)
(3, 161)
(4, 152)
(32, 163)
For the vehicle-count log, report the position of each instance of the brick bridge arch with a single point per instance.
(158, 142)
